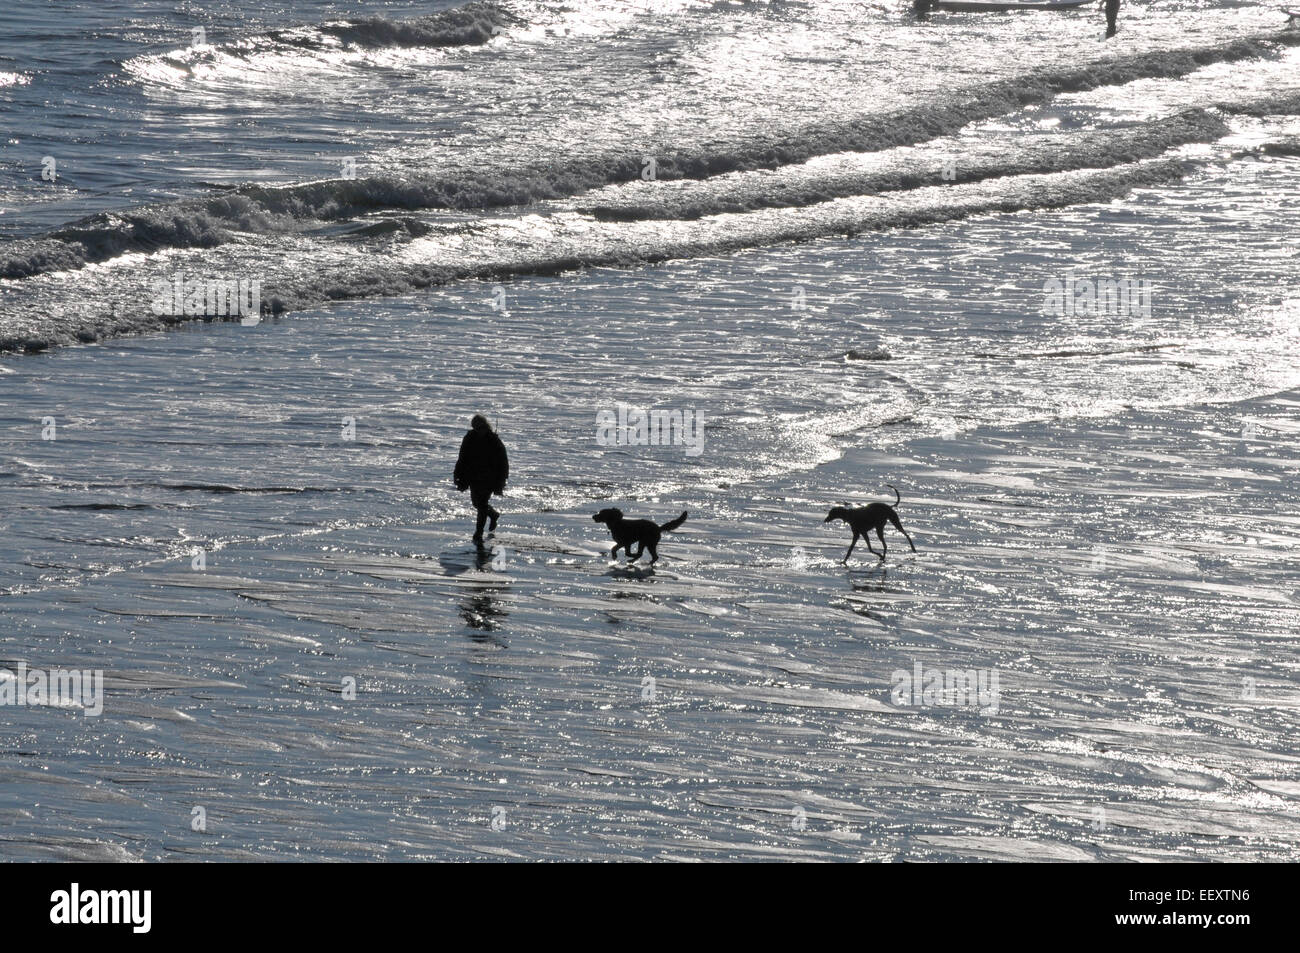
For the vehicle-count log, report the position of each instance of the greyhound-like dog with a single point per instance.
(873, 516)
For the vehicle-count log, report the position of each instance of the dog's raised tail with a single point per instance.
(897, 498)
(673, 524)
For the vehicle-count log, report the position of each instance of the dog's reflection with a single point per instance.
(869, 580)
(631, 573)
(873, 580)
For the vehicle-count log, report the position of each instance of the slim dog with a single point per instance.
(644, 533)
(864, 519)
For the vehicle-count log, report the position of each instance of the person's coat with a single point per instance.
(482, 462)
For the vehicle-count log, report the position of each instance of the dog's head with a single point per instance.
(837, 513)
(610, 514)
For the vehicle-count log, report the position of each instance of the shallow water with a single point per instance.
(1103, 504)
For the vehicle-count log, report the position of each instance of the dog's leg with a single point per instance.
(654, 553)
(613, 553)
(880, 532)
(899, 526)
(640, 548)
(852, 544)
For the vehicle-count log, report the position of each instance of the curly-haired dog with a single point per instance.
(645, 533)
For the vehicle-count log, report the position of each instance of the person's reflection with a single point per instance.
(483, 613)
(481, 609)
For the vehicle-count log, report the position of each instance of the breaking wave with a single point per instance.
(473, 24)
(257, 209)
(293, 279)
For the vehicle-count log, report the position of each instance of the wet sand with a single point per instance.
(1132, 582)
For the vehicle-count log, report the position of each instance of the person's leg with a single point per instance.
(479, 497)
(484, 503)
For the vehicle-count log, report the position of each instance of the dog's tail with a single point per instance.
(897, 499)
(673, 524)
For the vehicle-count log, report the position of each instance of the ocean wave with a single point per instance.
(261, 209)
(1286, 147)
(473, 24)
(1072, 352)
(1281, 103)
(800, 186)
(295, 275)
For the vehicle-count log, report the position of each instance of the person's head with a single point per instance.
(479, 422)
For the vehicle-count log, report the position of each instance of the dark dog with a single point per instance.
(644, 533)
(873, 516)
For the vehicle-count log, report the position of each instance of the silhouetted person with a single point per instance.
(921, 8)
(482, 468)
(1112, 14)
